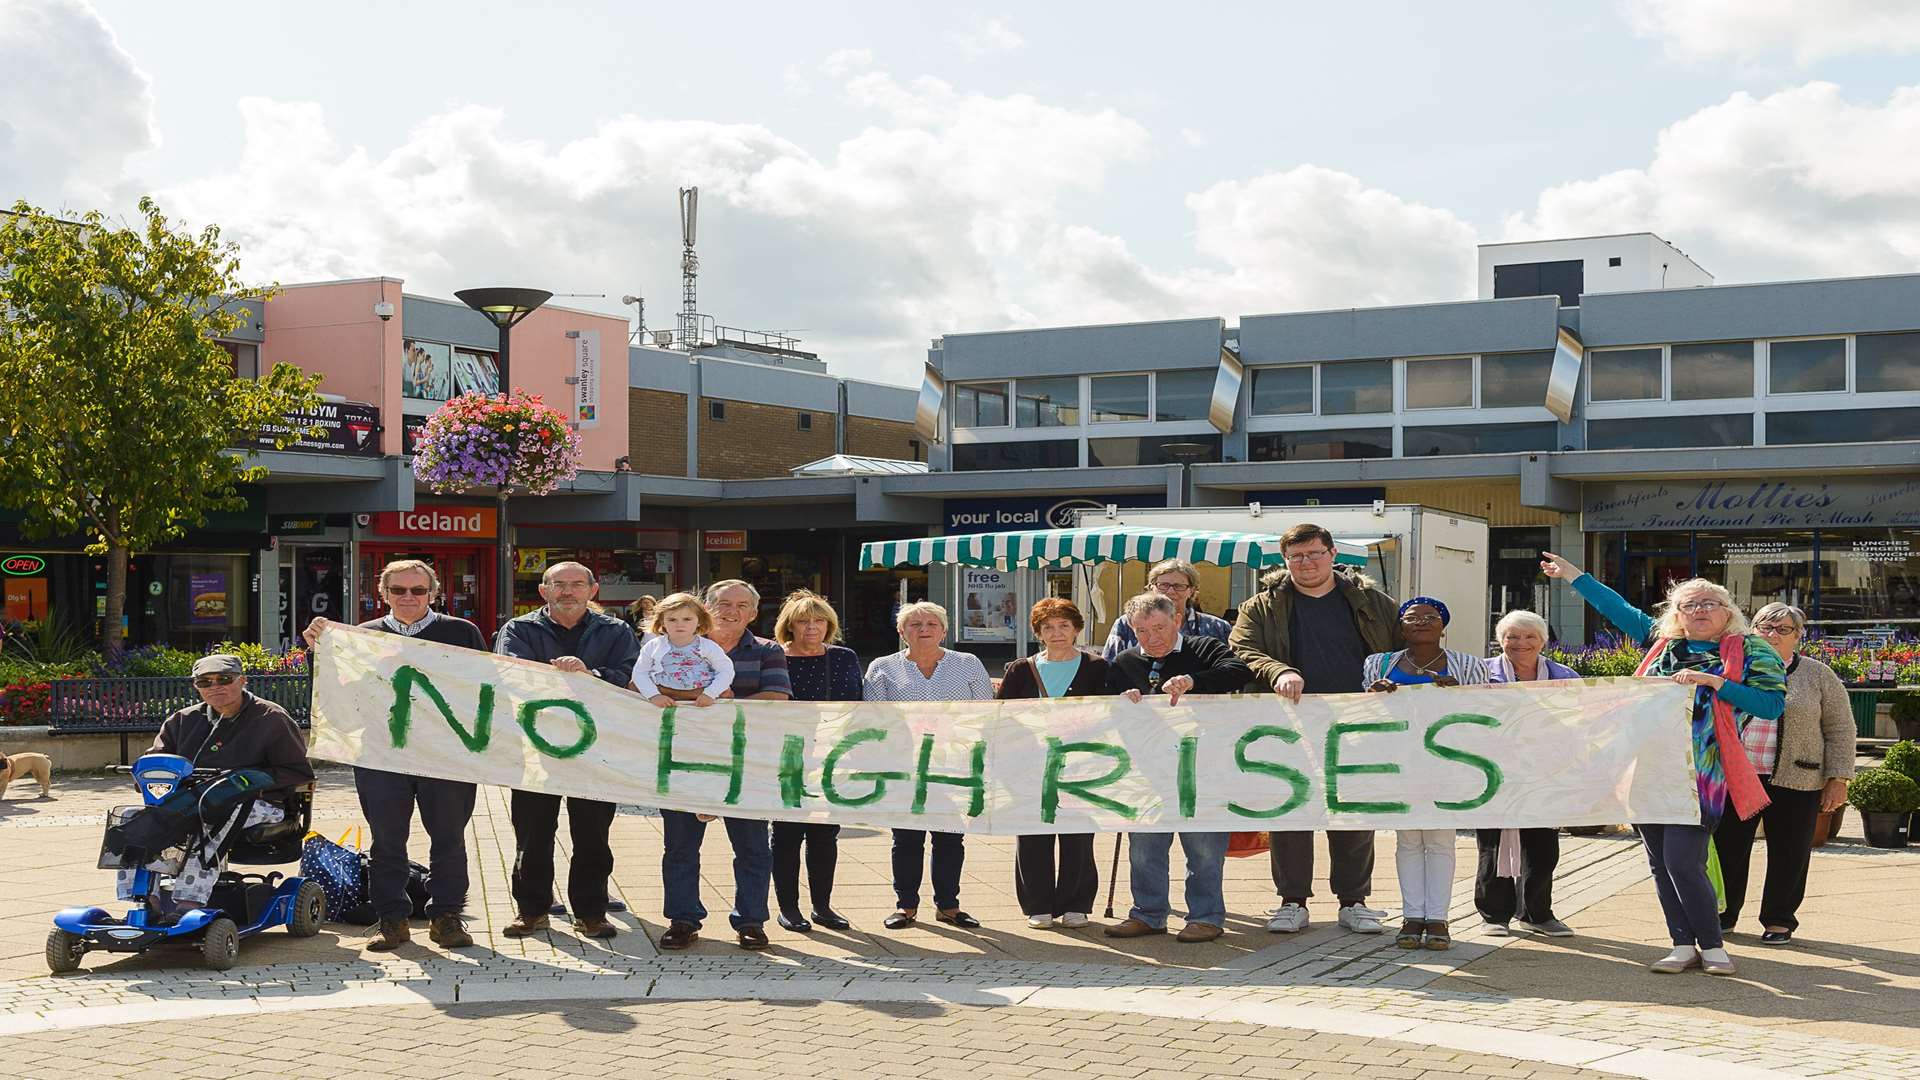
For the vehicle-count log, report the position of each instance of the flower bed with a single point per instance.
(516, 442)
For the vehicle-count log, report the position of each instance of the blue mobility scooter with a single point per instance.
(241, 906)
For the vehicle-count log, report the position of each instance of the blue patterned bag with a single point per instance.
(341, 873)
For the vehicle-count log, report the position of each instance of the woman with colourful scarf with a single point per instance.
(1699, 639)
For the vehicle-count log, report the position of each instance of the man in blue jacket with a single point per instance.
(571, 636)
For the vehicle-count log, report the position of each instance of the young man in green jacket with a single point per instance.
(1310, 630)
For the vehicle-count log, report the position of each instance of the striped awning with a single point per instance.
(1053, 548)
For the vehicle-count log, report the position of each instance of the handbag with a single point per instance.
(419, 888)
(1242, 844)
(341, 873)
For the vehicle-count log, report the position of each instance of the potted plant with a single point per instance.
(1886, 801)
(1903, 757)
(1906, 714)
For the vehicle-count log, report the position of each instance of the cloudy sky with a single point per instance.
(875, 174)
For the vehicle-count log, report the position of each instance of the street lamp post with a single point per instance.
(504, 307)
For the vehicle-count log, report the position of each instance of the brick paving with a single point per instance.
(1833, 1007)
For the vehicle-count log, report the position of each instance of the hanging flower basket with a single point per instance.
(517, 442)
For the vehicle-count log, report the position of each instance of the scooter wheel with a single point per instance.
(64, 950)
(221, 945)
(309, 910)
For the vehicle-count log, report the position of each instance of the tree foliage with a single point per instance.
(121, 419)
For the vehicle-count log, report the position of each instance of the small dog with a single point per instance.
(38, 766)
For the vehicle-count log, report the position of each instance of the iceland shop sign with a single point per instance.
(1751, 503)
(1004, 515)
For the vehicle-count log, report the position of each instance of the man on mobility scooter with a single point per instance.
(226, 778)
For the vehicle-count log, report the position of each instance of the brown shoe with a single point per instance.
(1133, 928)
(595, 928)
(1198, 931)
(449, 929)
(523, 925)
(679, 935)
(1438, 936)
(393, 934)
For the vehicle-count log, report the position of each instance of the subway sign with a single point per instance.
(22, 565)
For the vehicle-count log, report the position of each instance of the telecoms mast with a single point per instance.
(689, 268)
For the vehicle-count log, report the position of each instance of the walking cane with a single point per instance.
(1113, 874)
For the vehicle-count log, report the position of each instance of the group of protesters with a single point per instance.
(1771, 740)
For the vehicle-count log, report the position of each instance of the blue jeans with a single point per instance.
(1206, 860)
(680, 868)
(1678, 856)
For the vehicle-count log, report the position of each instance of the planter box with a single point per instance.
(1887, 830)
(70, 753)
(1827, 826)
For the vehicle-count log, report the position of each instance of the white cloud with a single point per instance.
(988, 37)
(73, 106)
(1799, 183)
(1755, 28)
(1194, 137)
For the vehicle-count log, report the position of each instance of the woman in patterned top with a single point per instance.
(1697, 624)
(821, 671)
(924, 671)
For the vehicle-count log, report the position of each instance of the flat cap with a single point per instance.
(218, 664)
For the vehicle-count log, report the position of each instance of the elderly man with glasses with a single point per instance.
(1178, 581)
(410, 587)
(1311, 631)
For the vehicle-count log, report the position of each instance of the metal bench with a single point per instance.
(137, 706)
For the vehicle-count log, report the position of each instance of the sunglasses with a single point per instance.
(409, 590)
(205, 681)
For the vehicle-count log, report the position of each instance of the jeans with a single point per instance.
(823, 856)
(1678, 855)
(909, 861)
(1790, 819)
(1290, 856)
(1530, 897)
(536, 818)
(1147, 855)
(1424, 858)
(387, 800)
(1046, 889)
(680, 869)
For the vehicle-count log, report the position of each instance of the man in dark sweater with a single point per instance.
(1168, 662)
(572, 637)
(1309, 632)
(387, 798)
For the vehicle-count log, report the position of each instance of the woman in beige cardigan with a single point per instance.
(1804, 763)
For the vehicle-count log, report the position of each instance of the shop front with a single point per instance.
(1845, 550)
(778, 562)
(456, 540)
(628, 563)
(314, 571)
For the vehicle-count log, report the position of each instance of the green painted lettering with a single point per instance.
(792, 771)
(1335, 769)
(735, 770)
(830, 786)
(532, 709)
(1292, 776)
(1189, 770)
(400, 719)
(1051, 785)
(976, 779)
(1487, 768)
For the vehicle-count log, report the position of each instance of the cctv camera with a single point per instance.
(383, 309)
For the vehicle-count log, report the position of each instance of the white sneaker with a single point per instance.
(1363, 920)
(1039, 922)
(1287, 919)
(1074, 920)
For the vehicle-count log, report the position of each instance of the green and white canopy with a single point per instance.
(1055, 548)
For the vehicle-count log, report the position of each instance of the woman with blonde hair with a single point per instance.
(807, 628)
(924, 671)
(1699, 640)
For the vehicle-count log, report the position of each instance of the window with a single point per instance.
(1033, 454)
(1515, 379)
(1613, 260)
(1047, 402)
(1649, 432)
(246, 359)
(1563, 279)
(1722, 369)
(1869, 575)
(1183, 395)
(805, 420)
(1759, 567)
(1356, 386)
(1282, 391)
(1477, 439)
(426, 371)
(980, 405)
(1150, 450)
(1119, 398)
(716, 410)
(1321, 445)
(1440, 384)
(475, 372)
(1625, 375)
(1885, 362)
(1841, 426)
(1807, 367)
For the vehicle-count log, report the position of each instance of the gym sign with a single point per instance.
(22, 565)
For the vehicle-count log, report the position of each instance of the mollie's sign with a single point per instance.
(1751, 503)
(441, 521)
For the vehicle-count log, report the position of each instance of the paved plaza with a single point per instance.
(1005, 1000)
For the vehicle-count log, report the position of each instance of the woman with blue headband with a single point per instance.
(1424, 857)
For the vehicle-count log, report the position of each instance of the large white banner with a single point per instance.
(1594, 752)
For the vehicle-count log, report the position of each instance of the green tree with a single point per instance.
(121, 418)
